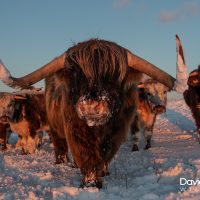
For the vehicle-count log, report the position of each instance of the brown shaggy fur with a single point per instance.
(152, 101)
(26, 115)
(192, 99)
(27, 120)
(192, 96)
(98, 58)
(95, 65)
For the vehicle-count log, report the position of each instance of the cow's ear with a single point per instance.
(19, 97)
(194, 81)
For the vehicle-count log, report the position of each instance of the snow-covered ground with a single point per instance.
(157, 173)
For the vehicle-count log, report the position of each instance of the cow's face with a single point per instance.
(194, 78)
(28, 144)
(97, 105)
(98, 100)
(9, 106)
(6, 107)
(94, 111)
(156, 95)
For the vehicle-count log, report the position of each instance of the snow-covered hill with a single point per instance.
(169, 170)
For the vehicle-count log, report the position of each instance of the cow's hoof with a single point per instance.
(23, 152)
(135, 147)
(72, 164)
(96, 183)
(148, 145)
(59, 161)
(105, 173)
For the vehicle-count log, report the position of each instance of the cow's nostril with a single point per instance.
(93, 94)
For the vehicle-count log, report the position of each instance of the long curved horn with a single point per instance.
(26, 81)
(181, 68)
(151, 70)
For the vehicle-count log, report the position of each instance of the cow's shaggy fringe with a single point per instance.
(98, 58)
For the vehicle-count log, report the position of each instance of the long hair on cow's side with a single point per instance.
(98, 58)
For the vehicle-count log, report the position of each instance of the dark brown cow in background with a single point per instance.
(152, 101)
(192, 94)
(26, 115)
(91, 101)
(192, 97)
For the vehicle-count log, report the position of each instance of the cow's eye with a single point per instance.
(165, 92)
(148, 93)
(195, 80)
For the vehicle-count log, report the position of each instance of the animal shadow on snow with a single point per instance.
(179, 120)
(177, 135)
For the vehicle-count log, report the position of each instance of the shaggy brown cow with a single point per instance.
(152, 101)
(192, 96)
(4, 135)
(26, 114)
(91, 100)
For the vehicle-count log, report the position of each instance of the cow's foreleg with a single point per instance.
(90, 164)
(60, 148)
(3, 144)
(148, 132)
(85, 149)
(147, 136)
(135, 131)
(136, 141)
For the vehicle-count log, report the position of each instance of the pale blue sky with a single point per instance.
(32, 32)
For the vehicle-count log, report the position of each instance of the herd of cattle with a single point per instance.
(94, 95)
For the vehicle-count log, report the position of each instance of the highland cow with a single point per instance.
(152, 101)
(91, 101)
(192, 93)
(26, 115)
(192, 97)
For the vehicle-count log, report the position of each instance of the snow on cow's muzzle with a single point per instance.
(94, 111)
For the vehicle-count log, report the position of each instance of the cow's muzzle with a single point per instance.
(159, 109)
(95, 111)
